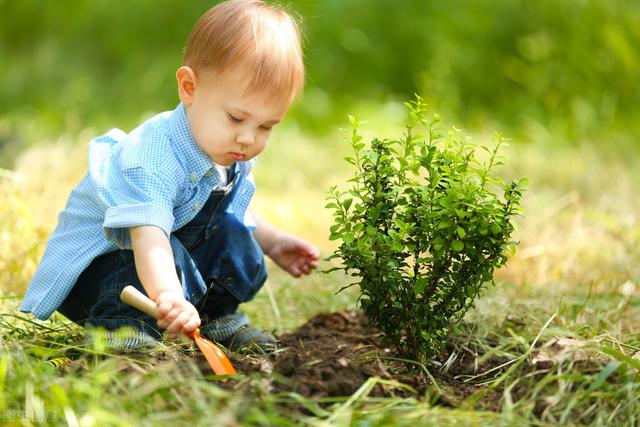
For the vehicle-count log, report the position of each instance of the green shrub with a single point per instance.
(422, 228)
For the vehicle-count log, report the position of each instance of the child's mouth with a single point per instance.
(236, 156)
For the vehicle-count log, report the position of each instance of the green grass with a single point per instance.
(555, 342)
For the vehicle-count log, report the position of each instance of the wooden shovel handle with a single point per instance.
(137, 299)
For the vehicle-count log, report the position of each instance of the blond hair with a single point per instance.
(262, 39)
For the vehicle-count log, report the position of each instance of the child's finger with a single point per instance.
(170, 317)
(191, 325)
(179, 322)
(309, 264)
(164, 308)
(163, 323)
(294, 270)
(313, 253)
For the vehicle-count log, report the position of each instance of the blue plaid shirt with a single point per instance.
(156, 175)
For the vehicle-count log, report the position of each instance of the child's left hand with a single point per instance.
(294, 255)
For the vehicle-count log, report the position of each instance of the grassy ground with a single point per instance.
(554, 341)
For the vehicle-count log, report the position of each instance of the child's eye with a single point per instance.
(234, 119)
(267, 128)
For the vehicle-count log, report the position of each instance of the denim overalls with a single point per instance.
(218, 262)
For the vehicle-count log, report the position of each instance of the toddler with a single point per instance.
(165, 207)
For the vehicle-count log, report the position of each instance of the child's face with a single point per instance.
(227, 123)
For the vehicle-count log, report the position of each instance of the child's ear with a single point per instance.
(187, 83)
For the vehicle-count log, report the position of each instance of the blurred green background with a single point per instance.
(560, 78)
(566, 70)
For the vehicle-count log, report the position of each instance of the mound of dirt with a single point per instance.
(334, 354)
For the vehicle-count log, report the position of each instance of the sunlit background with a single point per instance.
(570, 67)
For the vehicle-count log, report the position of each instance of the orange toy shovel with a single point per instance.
(217, 359)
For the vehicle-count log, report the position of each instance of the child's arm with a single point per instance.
(157, 273)
(292, 253)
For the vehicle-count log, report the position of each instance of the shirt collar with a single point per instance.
(193, 159)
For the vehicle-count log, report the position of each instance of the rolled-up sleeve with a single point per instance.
(139, 198)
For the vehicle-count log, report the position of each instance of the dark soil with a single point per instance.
(334, 354)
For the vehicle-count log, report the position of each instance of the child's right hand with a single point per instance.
(176, 314)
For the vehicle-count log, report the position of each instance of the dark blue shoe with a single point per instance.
(248, 338)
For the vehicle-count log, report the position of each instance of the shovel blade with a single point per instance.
(216, 358)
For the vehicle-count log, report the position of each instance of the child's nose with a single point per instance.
(245, 138)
